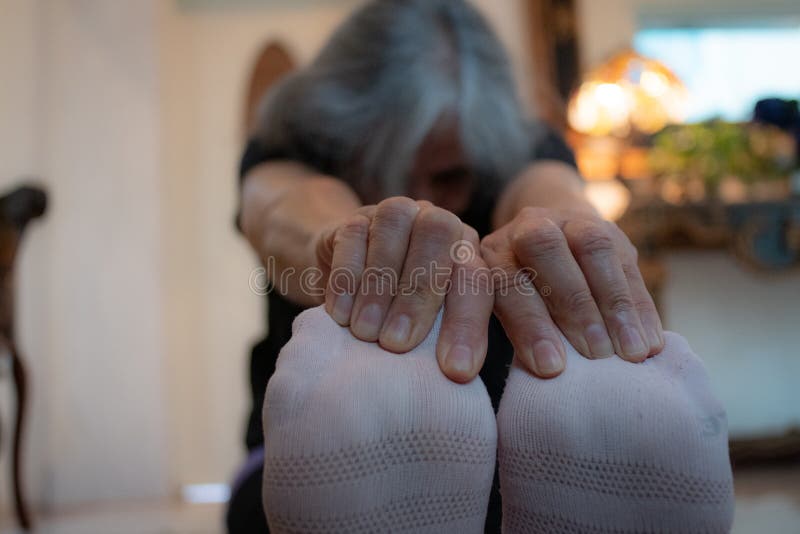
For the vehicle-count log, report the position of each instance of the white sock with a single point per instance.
(611, 446)
(358, 439)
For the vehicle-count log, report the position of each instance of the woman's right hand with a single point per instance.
(389, 268)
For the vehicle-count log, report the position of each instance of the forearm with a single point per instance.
(549, 184)
(285, 206)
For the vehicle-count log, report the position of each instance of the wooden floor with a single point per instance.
(767, 502)
(124, 518)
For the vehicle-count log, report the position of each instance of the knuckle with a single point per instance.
(398, 203)
(492, 255)
(578, 300)
(396, 212)
(615, 230)
(631, 269)
(539, 237)
(540, 330)
(506, 278)
(476, 281)
(594, 239)
(625, 242)
(418, 294)
(620, 301)
(646, 305)
(466, 324)
(347, 257)
(529, 212)
(490, 244)
(354, 228)
(380, 281)
(514, 317)
(436, 221)
(367, 211)
(470, 234)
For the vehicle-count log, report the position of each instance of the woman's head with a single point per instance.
(396, 79)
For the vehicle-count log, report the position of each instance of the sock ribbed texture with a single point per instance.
(358, 439)
(611, 446)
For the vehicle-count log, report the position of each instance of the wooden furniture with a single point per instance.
(273, 63)
(764, 236)
(554, 58)
(17, 208)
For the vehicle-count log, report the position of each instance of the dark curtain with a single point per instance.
(556, 65)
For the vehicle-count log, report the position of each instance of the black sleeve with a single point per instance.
(549, 144)
(303, 149)
(256, 153)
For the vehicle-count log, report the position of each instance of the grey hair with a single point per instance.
(390, 71)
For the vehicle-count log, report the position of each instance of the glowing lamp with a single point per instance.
(628, 92)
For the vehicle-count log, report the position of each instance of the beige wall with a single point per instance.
(135, 309)
(83, 114)
(18, 132)
(744, 326)
(212, 317)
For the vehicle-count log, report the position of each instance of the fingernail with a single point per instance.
(599, 343)
(654, 338)
(631, 342)
(342, 307)
(397, 331)
(459, 359)
(547, 358)
(368, 322)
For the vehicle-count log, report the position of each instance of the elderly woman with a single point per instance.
(447, 236)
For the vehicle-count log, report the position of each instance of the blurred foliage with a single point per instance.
(713, 151)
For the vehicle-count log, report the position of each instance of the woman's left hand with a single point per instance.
(570, 270)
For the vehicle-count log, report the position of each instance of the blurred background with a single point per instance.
(134, 315)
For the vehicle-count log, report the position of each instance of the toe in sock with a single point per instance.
(358, 439)
(611, 446)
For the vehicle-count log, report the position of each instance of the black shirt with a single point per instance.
(281, 312)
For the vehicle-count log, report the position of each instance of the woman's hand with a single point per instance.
(580, 276)
(389, 268)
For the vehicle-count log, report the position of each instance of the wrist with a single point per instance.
(550, 185)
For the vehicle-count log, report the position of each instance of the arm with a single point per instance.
(285, 206)
(546, 184)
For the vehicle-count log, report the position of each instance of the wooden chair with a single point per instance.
(17, 208)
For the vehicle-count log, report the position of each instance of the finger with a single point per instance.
(522, 311)
(648, 315)
(367, 211)
(540, 244)
(642, 300)
(387, 244)
(594, 248)
(349, 252)
(326, 242)
(463, 338)
(423, 282)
